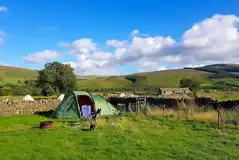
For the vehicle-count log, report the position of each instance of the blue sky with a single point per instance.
(37, 27)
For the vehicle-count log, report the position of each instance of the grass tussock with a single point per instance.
(210, 116)
(190, 113)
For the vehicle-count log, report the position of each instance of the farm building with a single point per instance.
(172, 91)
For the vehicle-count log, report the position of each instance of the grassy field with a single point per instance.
(167, 78)
(228, 80)
(220, 95)
(126, 138)
(103, 82)
(13, 74)
(170, 78)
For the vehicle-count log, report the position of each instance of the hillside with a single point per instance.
(168, 78)
(222, 74)
(13, 74)
(217, 76)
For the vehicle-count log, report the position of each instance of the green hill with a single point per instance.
(223, 75)
(217, 76)
(13, 74)
(168, 78)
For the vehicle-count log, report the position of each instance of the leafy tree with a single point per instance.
(193, 85)
(30, 82)
(6, 91)
(36, 91)
(135, 78)
(19, 82)
(47, 90)
(9, 85)
(18, 90)
(57, 77)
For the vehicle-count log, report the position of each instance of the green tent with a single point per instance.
(71, 105)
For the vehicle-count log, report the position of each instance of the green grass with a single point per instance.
(228, 80)
(103, 82)
(170, 78)
(129, 139)
(220, 95)
(13, 74)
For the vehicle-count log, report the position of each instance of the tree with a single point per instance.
(193, 85)
(135, 78)
(58, 77)
(35, 91)
(48, 91)
(18, 90)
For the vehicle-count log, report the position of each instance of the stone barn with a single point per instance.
(172, 91)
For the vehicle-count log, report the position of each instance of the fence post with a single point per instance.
(164, 111)
(219, 117)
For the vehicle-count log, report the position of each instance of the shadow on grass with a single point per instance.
(44, 113)
(92, 128)
(86, 129)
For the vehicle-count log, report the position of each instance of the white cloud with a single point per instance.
(146, 66)
(213, 40)
(72, 64)
(116, 43)
(134, 33)
(3, 9)
(150, 47)
(98, 71)
(3, 64)
(195, 65)
(84, 45)
(41, 57)
(95, 64)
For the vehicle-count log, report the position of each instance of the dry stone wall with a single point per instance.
(19, 107)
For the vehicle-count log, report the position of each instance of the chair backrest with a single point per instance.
(86, 110)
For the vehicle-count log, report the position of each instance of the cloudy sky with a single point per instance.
(118, 37)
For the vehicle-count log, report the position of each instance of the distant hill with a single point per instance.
(222, 74)
(168, 78)
(211, 76)
(13, 74)
(231, 70)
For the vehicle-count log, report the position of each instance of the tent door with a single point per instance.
(86, 105)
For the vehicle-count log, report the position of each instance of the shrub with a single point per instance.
(36, 91)
(6, 91)
(17, 91)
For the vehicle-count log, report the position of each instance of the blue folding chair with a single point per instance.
(86, 111)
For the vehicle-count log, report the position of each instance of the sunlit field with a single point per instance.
(132, 137)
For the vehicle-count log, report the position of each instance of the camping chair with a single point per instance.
(86, 110)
